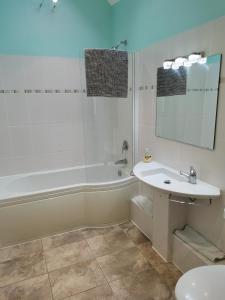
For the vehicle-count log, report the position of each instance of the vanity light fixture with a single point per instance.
(185, 61)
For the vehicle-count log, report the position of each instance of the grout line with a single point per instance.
(50, 287)
(79, 293)
(46, 265)
(47, 270)
(19, 244)
(23, 280)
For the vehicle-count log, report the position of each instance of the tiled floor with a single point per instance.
(109, 263)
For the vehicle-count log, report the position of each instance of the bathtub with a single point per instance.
(43, 203)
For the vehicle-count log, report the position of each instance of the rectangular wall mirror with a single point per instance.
(187, 103)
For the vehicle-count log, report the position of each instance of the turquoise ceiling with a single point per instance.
(143, 22)
(77, 24)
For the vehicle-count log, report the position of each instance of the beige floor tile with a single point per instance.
(109, 242)
(99, 293)
(18, 269)
(133, 268)
(92, 232)
(76, 279)
(62, 239)
(134, 233)
(167, 271)
(145, 285)
(67, 255)
(153, 258)
(19, 250)
(120, 264)
(37, 288)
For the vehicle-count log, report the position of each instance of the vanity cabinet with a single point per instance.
(167, 216)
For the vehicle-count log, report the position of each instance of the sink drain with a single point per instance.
(167, 182)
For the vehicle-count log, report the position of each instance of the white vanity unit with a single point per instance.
(172, 192)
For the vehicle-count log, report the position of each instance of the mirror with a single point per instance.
(187, 103)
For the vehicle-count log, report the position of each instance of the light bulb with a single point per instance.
(175, 66)
(194, 57)
(187, 64)
(180, 61)
(202, 60)
(167, 64)
(54, 1)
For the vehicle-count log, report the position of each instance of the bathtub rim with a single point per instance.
(66, 190)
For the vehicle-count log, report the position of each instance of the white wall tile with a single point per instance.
(36, 109)
(3, 111)
(16, 109)
(20, 139)
(4, 141)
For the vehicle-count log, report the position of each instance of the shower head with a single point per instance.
(116, 47)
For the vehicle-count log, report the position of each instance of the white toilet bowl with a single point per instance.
(203, 283)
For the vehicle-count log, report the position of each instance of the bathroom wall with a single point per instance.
(210, 165)
(145, 22)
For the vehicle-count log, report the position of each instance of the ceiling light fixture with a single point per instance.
(55, 4)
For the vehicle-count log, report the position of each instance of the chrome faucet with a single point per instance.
(121, 162)
(192, 176)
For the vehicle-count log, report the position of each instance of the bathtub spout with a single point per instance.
(121, 162)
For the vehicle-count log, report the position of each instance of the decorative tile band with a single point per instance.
(45, 91)
(152, 87)
(203, 90)
(77, 91)
(146, 87)
(9, 92)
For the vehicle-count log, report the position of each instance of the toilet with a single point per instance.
(203, 283)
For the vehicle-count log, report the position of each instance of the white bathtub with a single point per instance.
(38, 183)
(38, 204)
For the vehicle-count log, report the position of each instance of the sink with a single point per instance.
(167, 179)
(203, 283)
(162, 174)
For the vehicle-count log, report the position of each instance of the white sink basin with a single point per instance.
(169, 180)
(162, 174)
(203, 283)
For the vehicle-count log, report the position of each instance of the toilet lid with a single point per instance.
(203, 283)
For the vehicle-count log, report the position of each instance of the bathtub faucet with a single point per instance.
(121, 162)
